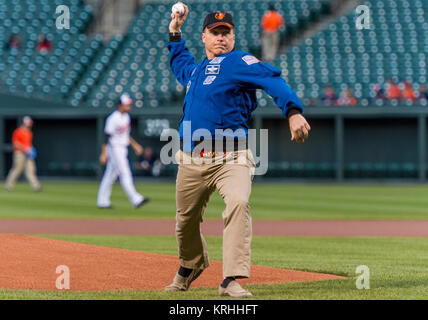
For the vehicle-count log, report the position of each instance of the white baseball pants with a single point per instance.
(117, 166)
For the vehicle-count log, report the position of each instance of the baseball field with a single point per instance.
(308, 240)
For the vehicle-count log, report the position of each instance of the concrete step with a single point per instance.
(113, 17)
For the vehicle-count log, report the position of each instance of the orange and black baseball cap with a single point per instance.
(218, 18)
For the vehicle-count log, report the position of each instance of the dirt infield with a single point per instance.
(29, 262)
(320, 228)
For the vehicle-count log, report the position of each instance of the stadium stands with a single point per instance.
(46, 76)
(93, 74)
(82, 71)
(396, 47)
(340, 55)
(141, 66)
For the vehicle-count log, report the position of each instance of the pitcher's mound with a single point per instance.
(29, 262)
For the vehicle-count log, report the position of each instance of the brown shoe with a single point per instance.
(181, 283)
(234, 290)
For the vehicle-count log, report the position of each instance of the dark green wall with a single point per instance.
(381, 140)
(345, 142)
(64, 141)
(319, 148)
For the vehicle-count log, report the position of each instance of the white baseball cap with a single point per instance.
(125, 99)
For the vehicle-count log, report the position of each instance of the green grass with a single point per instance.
(398, 267)
(77, 200)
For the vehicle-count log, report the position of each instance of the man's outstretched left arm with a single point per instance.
(252, 73)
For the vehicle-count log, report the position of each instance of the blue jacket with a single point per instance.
(221, 93)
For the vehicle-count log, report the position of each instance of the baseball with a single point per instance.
(178, 7)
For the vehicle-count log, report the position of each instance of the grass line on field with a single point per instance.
(267, 201)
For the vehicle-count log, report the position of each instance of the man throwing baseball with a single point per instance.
(115, 154)
(221, 94)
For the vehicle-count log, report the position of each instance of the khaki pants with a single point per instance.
(194, 186)
(270, 45)
(21, 162)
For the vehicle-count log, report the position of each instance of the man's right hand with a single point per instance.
(177, 20)
(299, 128)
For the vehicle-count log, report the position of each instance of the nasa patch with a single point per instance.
(217, 60)
(209, 80)
(212, 69)
(250, 59)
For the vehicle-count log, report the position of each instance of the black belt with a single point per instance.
(226, 146)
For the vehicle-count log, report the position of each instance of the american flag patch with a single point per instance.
(250, 59)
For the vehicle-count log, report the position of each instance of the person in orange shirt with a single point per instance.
(393, 92)
(408, 92)
(271, 22)
(23, 156)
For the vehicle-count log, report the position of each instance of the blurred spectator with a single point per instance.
(379, 92)
(408, 92)
(423, 94)
(271, 22)
(14, 43)
(347, 98)
(312, 102)
(43, 45)
(329, 97)
(149, 163)
(393, 92)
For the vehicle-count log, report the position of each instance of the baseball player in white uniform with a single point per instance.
(115, 154)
